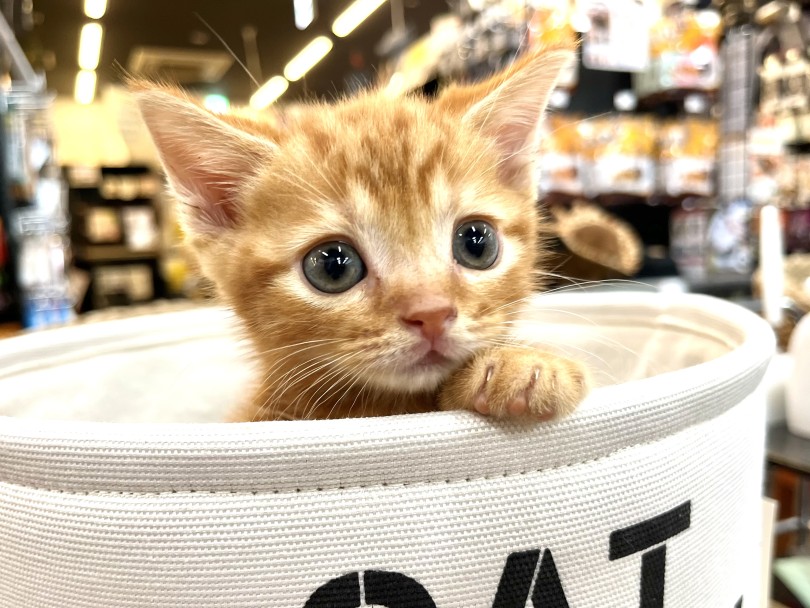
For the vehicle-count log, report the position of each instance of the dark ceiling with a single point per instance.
(172, 23)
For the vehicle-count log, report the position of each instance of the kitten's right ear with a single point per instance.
(206, 160)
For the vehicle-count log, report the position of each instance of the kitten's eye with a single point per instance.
(475, 245)
(333, 267)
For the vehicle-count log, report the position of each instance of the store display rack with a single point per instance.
(116, 234)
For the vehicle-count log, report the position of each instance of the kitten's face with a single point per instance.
(394, 183)
(380, 241)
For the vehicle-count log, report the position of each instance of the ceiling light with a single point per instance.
(216, 103)
(90, 46)
(354, 15)
(310, 55)
(85, 87)
(304, 13)
(95, 9)
(269, 92)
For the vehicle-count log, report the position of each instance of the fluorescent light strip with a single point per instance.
(307, 58)
(90, 46)
(357, 12)
(304, 13)
(269, 92)
(85, 87)
(95, 9)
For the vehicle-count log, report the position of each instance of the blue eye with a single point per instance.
(333, 267)
(475, 245)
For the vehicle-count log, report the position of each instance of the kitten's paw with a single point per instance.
(516, 381)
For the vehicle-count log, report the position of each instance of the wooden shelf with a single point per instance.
(111, 253)
(8, 330)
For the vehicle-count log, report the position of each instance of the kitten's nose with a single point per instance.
(429, 315)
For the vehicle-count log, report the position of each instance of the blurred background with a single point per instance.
(676, 152)
(656, 159)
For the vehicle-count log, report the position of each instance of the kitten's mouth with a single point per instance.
(431, 364)
(420, 372)
(433, 358)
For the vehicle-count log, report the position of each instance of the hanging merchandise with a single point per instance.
(785, 90)
(780, 171)
(617, 35)
(772, 175)
(731, 246)
(689, 226)
(770, 86)
(732, 237)
(785, 73)
(684, 47)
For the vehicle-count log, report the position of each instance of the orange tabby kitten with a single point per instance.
(377, 250)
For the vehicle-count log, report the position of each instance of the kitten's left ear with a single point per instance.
(512, 112)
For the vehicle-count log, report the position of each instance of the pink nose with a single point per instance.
(430, 316)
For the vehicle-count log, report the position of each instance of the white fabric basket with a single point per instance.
(648, 496)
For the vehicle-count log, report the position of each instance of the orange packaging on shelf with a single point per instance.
(560, 164)
(550, 25)
(687, 157)
(621, 157)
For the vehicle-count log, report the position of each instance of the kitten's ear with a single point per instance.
(206, 160)
(509, 109)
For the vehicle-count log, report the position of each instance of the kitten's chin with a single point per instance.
(419, 379)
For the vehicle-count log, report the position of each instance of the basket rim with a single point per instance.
(155, 458)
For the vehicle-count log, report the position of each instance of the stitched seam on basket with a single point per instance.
(419, 483)
(506, 474)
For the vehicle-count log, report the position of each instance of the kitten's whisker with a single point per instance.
(228, 48)
(278, 363)
(347, 381)
(316, 367)
(339, 188)
(321, 341)
(322, 387)
(579, 122)
(352, 374)
(537, 345)
(569, 313)
(494, 309)
(596, 337)
(360, 392)
(295, 180)
(282, 382)
(582, 284)
(360, 369)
